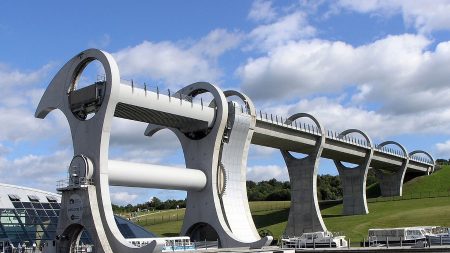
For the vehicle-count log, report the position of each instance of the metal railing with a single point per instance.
(73, 182)
(271, 118)
(418, 195)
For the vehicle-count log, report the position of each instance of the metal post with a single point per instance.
(132, 86)
(364, 242)
(387, 242)
(201, 101)
(401, 242)
(206, 245)
(168, 91)
(314, 242)
(329, 241)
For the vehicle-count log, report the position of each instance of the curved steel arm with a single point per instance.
(348, 131)
(394, 143)
(422, 152)
(306, 115)
(247, 101)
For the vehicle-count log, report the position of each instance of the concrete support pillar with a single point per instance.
(354, 180)
(391, 179)
(304, 214)
(220, 211)
(354, 189)
(391, 183)
(88, 206)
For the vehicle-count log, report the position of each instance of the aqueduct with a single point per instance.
(215, 139)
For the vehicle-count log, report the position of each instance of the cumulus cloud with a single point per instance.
(18, 100)
(177, 63)
(262, 10)
(337, 117)
(286, 28)
(129, 143)
(425, 16)
(402, 63)
(37, 171)
(266, 172)
(4, 150)
(123, 197)
(443, 149)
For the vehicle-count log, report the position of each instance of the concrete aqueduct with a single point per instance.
(215, 139)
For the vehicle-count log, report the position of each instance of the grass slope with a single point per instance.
(433, 211)
(273, 215)
(436, 182)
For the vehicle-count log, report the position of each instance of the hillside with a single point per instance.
(429, 211)
(272, 215)
(436, 182)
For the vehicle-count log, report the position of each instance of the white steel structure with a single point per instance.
(215, 138)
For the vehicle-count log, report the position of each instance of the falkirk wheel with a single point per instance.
(217, 205)
(215, 139)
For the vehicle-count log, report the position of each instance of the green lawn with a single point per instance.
(430, 211)
(436, 182)
(273, 215)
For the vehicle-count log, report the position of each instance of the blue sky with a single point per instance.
(380, 66)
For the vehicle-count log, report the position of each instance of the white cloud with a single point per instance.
(101, 42)
(217, 42)
(266, 172)
(4, 150)
(287, 28)
(443, 150)
(177, 64)
(425, 16)
(257, 152)
(123, 198)
(262, 10)
(36, 171)
(129, 143)
(399, 63)
(378, 125)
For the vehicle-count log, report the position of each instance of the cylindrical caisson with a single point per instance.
(129, 174)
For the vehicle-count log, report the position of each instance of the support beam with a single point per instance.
(129, 174)
(391, 179)
(354, 180)
(220, 211)
(304, 214)
(391, 183)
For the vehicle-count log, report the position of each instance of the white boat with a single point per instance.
(315, 240)
(395, 235)
(439, 235)
(179, 243)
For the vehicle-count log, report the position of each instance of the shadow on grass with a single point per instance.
(170, 234)
(268, 219)
(332, 215)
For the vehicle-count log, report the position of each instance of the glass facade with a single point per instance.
(31, 222)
